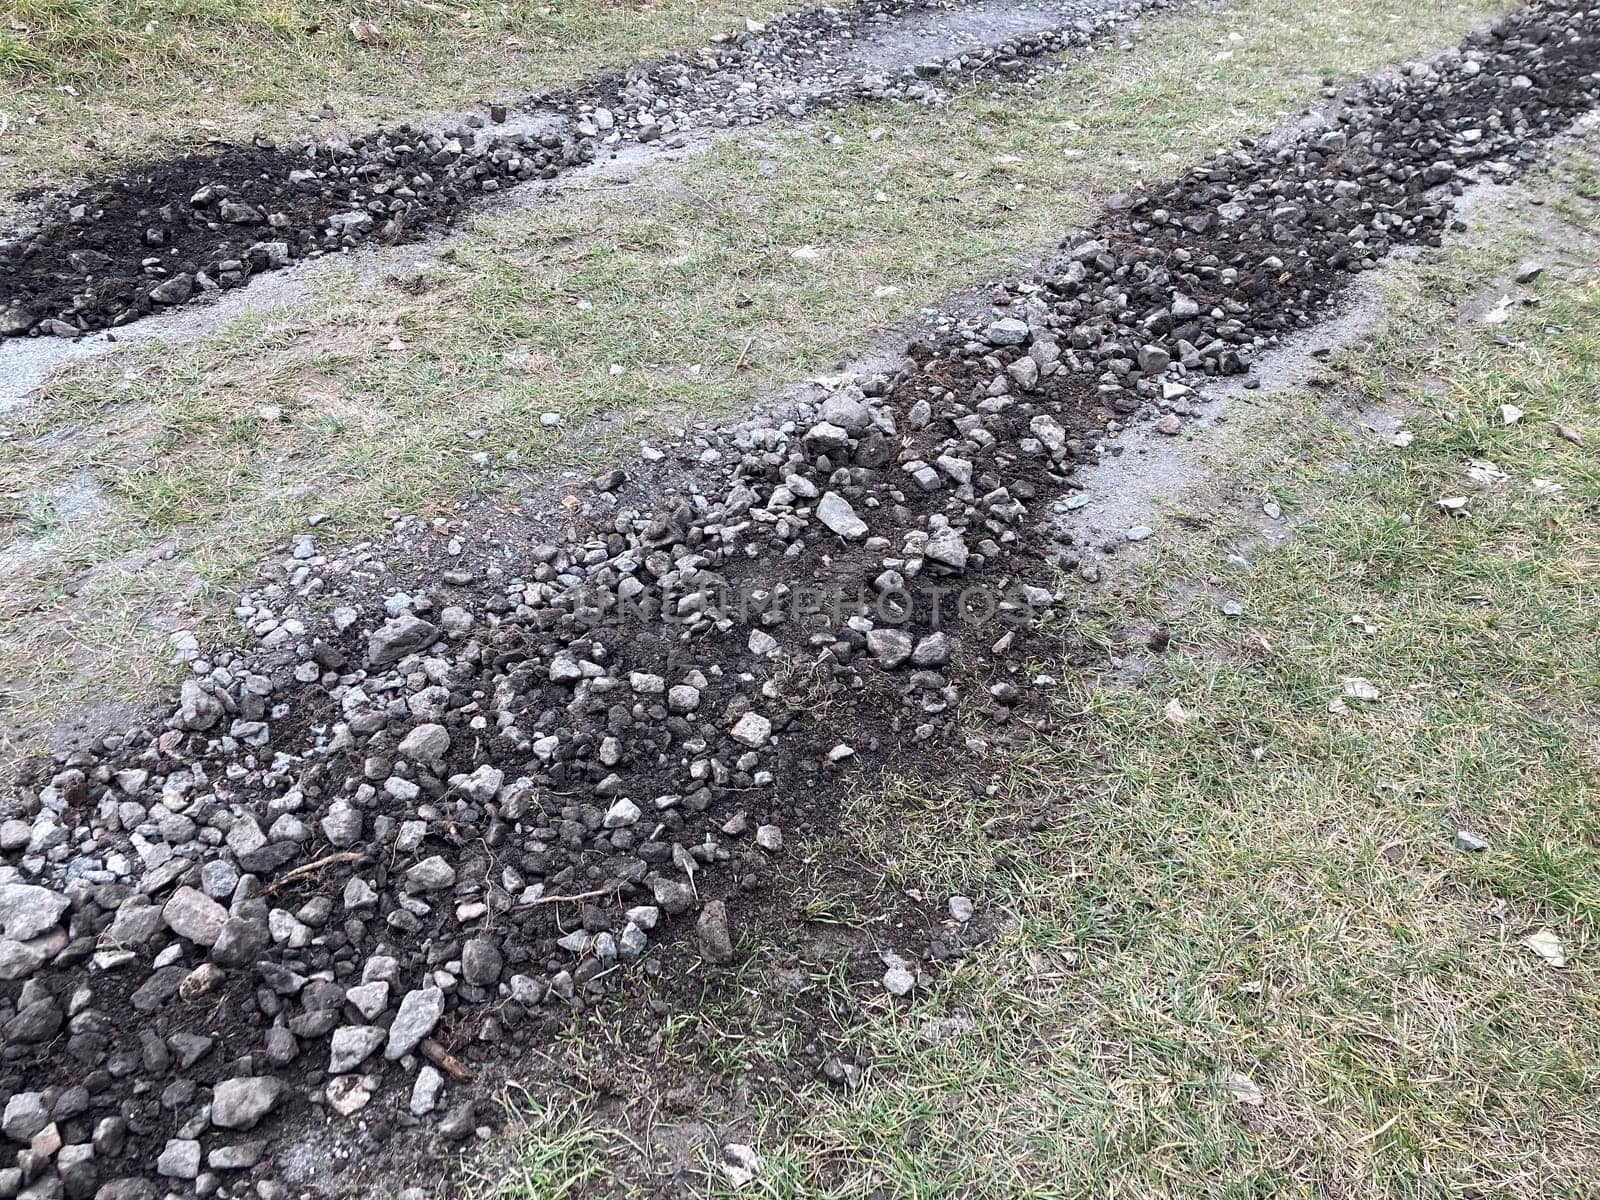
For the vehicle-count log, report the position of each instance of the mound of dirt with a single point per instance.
(400, 830)
(169, 231)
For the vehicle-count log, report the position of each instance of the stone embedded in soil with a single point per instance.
(405, 634)
(715, 936)
(752, 730)
(352, 1045)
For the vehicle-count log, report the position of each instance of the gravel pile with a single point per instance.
(167, 232)
(394, 833)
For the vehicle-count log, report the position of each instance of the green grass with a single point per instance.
(554, 1154)
(682, 278)
(1271, 888)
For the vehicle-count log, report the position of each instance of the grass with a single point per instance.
(85, 82)
(1271, 889)
(637, 305)
(556, 1156)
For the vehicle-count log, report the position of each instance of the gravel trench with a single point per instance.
(168, 232)
(390, 839)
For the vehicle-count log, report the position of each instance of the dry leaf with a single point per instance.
(805, 253)
(1500, 313)
(1455, 506)
(1568, 433)
(364, 30)
(1175, 713)
(1482, 471)
(1510, 414)
(1244, 1089)
(1357, 688)
(1547, 946)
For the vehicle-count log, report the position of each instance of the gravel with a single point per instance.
(247, 894)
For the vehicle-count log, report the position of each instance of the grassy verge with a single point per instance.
(1247, 955)
(84, 82)
(627, 307)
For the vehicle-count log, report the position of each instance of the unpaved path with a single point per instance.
(168, 232)
(453, 789)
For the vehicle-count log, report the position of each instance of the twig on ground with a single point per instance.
(327, 860)
(542, 900)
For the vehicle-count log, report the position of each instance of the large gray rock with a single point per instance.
(194, 915)
(425, 743)
(890, 647)
(198, 709)
(240, 1103)
(419, 1013)
(1008, 331)
(846, 412)
(352, 1045)
(834, 511)
(25, 1115)
(180, 1159)
(946, 548)
(26, 910)
(395, 639)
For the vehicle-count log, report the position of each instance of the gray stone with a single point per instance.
(180, 1159)
(622, 812)
(752, 730)
(430, 875)
(352, 1045)
(1006, 332)
(891, 647)
(425, 743)
(240, 1103)
(946, 547)
(194, 915)
(932, 651)
(425, 1092)
(393, 640)
(835, 512)
(198, 709)
(370, 999)
(1471, 842)
(25, 1115)
(26, 910)
(419, 1013)
(240, 1156)
(716, 939)
(481, 962)
(846, 412)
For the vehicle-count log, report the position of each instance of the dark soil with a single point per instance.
(530, 660)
